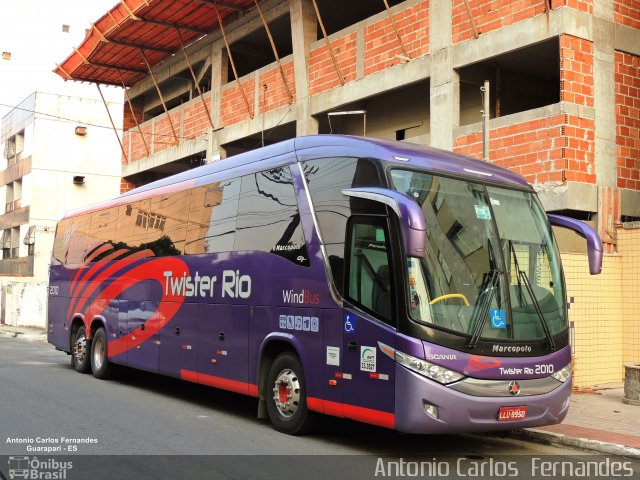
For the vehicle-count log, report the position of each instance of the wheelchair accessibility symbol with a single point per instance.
(349, 324)
(498, 318)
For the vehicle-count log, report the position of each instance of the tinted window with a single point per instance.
(213, 217)
(70, 244)
(268, 217)
(370, 280)
(326, 178)
(133, 220)
(167, 223)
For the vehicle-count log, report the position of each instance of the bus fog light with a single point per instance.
(430, 410)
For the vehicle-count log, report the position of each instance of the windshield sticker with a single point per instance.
(482, 212)
(333, 356)
(498, 318)
(368, 359)
(495, 202)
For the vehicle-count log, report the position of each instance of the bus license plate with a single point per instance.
(512, 413)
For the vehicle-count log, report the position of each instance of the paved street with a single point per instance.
(142, 414)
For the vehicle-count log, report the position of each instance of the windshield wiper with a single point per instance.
(481, 312)
(522, 277)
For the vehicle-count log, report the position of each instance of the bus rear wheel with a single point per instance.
(100, 365)
(79, 352)
(286, 394)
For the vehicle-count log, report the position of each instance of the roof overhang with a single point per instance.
(133, 33)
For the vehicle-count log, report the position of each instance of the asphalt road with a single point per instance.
(148, 426)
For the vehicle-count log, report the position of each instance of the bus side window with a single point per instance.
(212, 217)
(369, 268)
(326, 178)
(103, 230)
(268, 216)
(167, 225)
(70, 244)
(133, 220)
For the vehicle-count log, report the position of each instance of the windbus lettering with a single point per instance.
(302, 297)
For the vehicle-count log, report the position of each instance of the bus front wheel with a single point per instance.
(79, 353)
(100, 365)
(287, 395)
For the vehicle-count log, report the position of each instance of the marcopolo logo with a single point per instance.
(36, 469)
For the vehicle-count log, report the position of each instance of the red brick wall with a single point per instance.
(552, 149)
(381, 43)
(494, 14)
(196, 122)
(627, 12)
(232, 106)
(163, 137)
(138, 149)
(322, 73)
(627, 88)
(128, 120)
(125, 186)
(490, 15)
(576, 70)
(276, 95)
(582, 5)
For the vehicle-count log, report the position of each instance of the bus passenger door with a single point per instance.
(179, 342)
(369, 393)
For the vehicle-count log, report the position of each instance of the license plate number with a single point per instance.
(512, 413)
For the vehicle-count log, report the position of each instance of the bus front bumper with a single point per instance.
(425, 406)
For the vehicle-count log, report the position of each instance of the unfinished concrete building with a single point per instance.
(207, 79)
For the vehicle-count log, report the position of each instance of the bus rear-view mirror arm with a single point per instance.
(594, 243)
(409, 213)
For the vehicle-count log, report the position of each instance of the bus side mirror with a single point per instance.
(412, 223)
(594, 243)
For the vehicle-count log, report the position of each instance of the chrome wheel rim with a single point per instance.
(286, 393)
(98, 353)
(80, 348)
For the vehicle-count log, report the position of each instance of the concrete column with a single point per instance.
(604, 93)
(444, 82)
(304, 32)
(219, 75)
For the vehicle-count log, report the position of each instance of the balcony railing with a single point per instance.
(17, 266)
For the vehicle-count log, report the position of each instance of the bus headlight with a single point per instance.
(429, 370)
(563, 375)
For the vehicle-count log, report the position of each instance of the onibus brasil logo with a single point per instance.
(33, 468)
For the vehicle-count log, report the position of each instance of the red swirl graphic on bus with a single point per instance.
(479, 362)
(152, 269)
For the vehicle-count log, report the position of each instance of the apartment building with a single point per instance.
(59, 153)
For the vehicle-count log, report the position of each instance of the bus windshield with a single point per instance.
(491, 268)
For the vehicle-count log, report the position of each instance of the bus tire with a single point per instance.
(100, 365)
(286, 394)
(80, 351)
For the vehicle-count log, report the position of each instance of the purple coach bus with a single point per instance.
(384, 282)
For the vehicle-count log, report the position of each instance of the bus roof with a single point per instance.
(406, 155)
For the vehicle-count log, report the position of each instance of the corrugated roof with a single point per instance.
(111, 53)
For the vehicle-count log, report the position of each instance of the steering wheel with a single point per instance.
(450, 295)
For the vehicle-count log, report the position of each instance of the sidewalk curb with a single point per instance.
(31, 335)
(578, 442)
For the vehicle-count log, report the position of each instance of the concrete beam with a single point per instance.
(571, 196)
